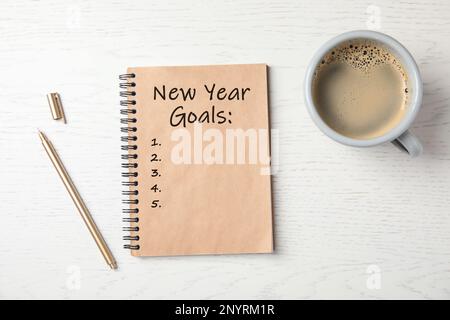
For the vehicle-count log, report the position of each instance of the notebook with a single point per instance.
(196, 160)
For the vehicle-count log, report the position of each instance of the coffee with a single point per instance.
(360, 89)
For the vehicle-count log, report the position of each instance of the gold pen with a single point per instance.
(87, 218)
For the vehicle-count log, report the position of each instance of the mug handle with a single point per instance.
(407, 142)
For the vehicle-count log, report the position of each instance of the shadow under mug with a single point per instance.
(399, 135)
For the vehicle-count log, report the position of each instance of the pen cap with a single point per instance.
(54, 100)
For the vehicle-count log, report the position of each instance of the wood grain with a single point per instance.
(338, 210)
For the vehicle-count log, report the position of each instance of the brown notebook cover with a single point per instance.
(199, 182)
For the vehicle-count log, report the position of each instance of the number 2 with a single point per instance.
(154, 157)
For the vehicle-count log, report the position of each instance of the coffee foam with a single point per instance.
(363, 55)
(361, 89)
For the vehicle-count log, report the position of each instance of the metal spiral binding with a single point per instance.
(131, 174)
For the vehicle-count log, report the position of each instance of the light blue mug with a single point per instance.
(399, 135)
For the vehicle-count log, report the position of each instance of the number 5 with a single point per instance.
(155, 204)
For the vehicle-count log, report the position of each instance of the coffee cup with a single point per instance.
(362, 89)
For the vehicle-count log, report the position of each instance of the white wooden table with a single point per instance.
(349, 223)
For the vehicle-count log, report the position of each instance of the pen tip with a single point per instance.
(41, 134)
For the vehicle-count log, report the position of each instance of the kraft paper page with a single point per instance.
(197, 194)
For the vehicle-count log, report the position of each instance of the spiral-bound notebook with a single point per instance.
(197, 161)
